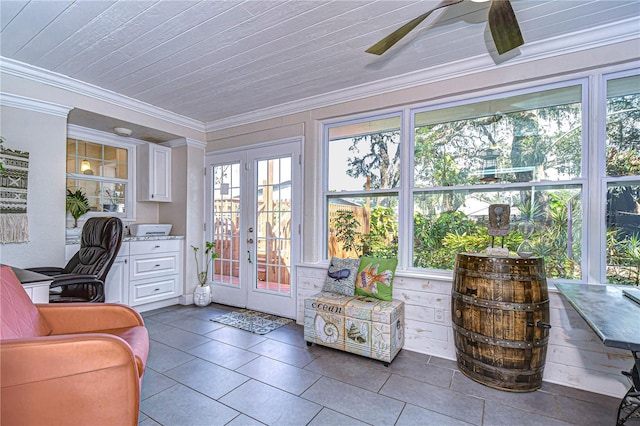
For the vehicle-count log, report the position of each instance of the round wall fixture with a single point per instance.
(122, 131)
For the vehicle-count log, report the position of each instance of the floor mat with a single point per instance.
(253, 321)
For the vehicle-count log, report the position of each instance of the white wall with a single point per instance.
(186, 211)
(44, 135)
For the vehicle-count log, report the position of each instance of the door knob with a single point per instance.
(250, 230)
(250, 240)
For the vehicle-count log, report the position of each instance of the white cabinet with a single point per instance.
(155, 271)
(153, 172)
(38, 291)
(116, 286)
(144, 272)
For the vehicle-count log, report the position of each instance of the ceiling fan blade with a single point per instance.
(383, 45)
(504, 26)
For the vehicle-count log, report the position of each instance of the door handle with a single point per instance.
(249, 256)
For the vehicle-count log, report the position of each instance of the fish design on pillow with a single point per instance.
(370, 278)
(340, 274)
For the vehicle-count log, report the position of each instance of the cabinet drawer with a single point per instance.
(154, 265)
(154, 246)
(152, 290)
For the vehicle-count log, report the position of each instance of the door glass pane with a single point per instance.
(273, 223)
(226, 223)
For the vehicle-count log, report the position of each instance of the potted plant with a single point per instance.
(202, 292)
(77, 205)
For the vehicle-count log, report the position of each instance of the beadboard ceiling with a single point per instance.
(211, 61)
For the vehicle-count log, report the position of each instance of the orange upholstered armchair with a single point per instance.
(68, 363)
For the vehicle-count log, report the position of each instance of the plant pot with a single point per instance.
(202, 295)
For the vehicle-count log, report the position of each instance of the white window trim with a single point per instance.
(326, 125)
(593, 179)
(598, 272)
(110, 139)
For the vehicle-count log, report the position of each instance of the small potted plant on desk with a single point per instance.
(77, 205)
(202, 292)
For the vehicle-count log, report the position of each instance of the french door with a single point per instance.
(253, 216)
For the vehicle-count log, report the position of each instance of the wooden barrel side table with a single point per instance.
(500, 315)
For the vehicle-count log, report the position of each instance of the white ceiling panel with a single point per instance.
(31, 20)
(212, 60)
(61, 28)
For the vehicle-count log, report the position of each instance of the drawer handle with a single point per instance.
(157, 247)
(156, 265)
(157, 289)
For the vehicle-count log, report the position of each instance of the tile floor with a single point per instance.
(203, 373)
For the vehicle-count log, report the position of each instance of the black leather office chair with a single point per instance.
(82, 279)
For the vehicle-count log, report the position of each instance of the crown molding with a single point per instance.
(16, 101)
(50, 78)
(578, 41)
(184, 142)
(583, 40)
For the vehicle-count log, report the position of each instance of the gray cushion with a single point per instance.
(341, 277)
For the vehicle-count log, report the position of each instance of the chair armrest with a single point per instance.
(46, 379)
(51, 271)
(68, 279)
(65, 318)
(75, 279)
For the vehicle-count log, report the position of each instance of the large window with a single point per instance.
(523, 150)
(101, 171)
(555, 154)
(622, 179)
(361, 187)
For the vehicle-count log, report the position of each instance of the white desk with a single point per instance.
(36, 285)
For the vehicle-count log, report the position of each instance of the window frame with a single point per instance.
(108, 139)
(592, 179)
(582, 180)
(599, 272)
(326, 193)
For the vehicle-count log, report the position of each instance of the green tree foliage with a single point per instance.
(381, 241)
(381, 163)
(623, 200)
(345, 225)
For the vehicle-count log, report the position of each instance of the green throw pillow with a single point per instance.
(341, 277)
(375, 277)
